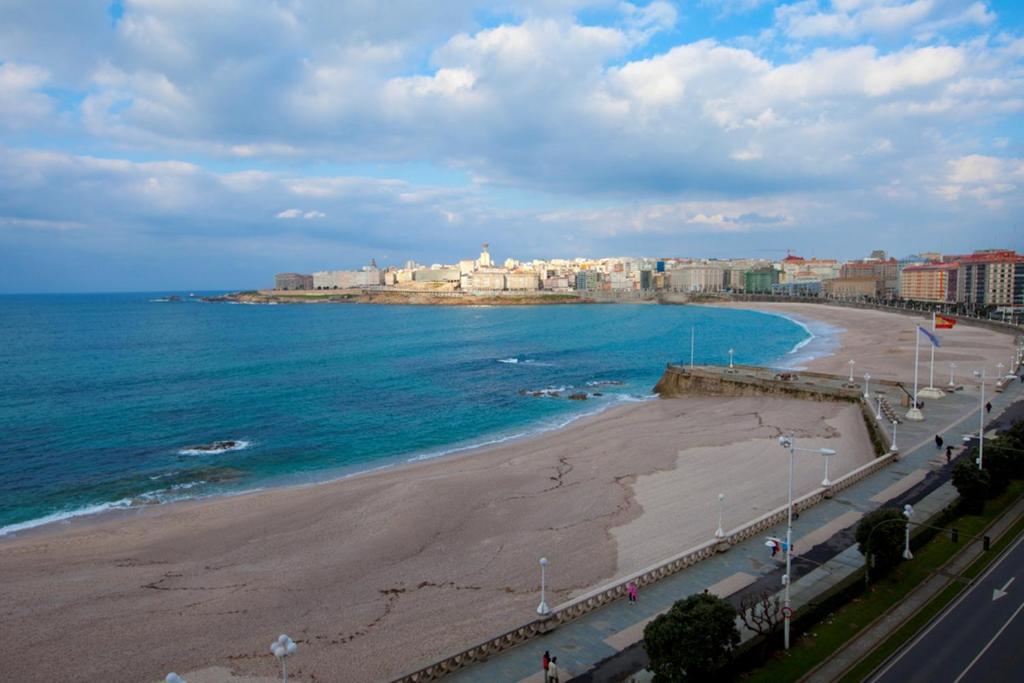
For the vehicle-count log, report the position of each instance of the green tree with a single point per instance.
(693, 640)
(972, 484)
(886, 540)
(1008, 452)
(1000, 464)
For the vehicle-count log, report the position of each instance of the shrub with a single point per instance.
(972, 484)
(886, 539)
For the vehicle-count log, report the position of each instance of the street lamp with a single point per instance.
(981, 419)
(731, 351)
(999, 370)
(907, 511)
(867, 378)
(878, 400)
(281, 648)
(542, 608)
(826, 453)
(952, 367)
(788, 443)
(851, 363)
(893, 447)
(721, 501)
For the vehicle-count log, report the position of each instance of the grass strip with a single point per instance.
(823, 639)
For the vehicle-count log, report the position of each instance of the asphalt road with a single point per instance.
(980, 637)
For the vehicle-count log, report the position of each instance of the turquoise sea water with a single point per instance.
(102, 395)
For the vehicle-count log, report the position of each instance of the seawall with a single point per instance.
(745, 380)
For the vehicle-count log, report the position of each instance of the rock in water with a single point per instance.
(215, 446)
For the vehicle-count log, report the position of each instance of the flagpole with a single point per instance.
(932, 391)
(915, 413)
(692, 334)
(931, 369)
(917, 352)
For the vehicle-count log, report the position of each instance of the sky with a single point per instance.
(207, 144)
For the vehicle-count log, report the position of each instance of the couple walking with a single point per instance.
(550, 668)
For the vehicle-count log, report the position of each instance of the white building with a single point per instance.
(522, 280)
(487, 280)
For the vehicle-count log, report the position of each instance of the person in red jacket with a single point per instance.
(546, 662)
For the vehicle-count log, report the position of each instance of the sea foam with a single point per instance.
(238, 446)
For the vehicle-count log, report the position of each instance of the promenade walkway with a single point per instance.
(822, 535)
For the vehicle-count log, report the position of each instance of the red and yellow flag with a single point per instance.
(944, 323)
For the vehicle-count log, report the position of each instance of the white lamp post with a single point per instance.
(981, 420)
(542, 608)
(827, 453)
(787, 443)
(851, 364)
(893, 447)
(999, 370)
(281, 648)
(867, 379)
(907, 511)
(878, 400)
(721, 501)
(731, 351)
(952, 367)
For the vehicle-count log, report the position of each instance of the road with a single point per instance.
(977, 638)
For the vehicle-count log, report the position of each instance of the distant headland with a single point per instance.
(401, 297)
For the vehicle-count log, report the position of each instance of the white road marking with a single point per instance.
(949, 608)
(1000, 592)
(985, 649)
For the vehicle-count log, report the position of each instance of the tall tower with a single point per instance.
(485, 257)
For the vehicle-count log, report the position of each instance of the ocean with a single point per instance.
(104, 397)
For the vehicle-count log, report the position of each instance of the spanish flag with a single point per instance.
(943, 323)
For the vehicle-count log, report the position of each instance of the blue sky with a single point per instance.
(189, 144)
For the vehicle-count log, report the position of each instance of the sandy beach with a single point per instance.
(379, 573)
(882, 344)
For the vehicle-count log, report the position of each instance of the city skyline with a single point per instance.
(164, 146)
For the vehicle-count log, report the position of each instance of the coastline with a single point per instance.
(418, 559)
(178, 493)
(147, 501)
(398, 297)
(824, 340)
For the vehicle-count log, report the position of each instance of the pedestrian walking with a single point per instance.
(988, 406)
(553, 670)
(938, 442)
(949, 454)
(632, 590)
(546, 663)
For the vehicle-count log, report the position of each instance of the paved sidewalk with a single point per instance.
(823, 535)
(889, 622)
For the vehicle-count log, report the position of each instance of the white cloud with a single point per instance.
(987, 179)
(854, 18)
(21, 103)
(288, 214)
(749, 154)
